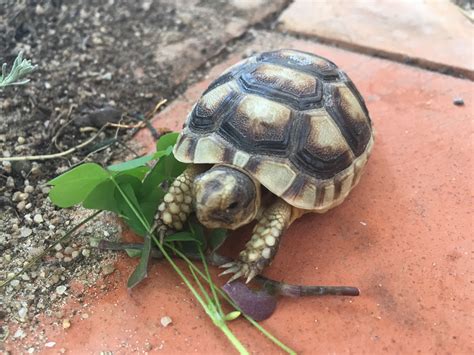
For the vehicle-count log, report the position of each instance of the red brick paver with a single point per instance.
(404, 236)
(434, 34)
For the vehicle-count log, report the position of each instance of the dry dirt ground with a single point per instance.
(98, 62)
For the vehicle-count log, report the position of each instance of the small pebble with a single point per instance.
(68, 250)
(10, 181)
(22, 313)
(21, 205)
(29, 189)
(23, 196)
(84, 315)
(86, 252)
(107, 269)
(58, 247)
(7, 166)
(28, 206)
(50, 344)
(38, 218)
(21, 140)
(59, 255)
(458, 101)
(165, 321)
(75, 254)
(61, 289)
(15, 283)
(19, 333)
(67, 259)
(66, 323)
(25, 232)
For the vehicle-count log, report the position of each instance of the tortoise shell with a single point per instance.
(292, 120)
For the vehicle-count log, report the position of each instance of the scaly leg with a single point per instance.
(263, 245)
(177, 203)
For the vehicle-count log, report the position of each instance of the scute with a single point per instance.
(291, 119)
(258, 122)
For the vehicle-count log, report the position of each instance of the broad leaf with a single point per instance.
(129, 208)
(217, 237)
(75, 185)
(166, 140)
(181, 237)
(102, 197)
(130, 164)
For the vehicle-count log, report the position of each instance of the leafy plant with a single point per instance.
(21, 68)
(133, 190)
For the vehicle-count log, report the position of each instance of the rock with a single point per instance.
(86, 253)
(66, 323)
(68, 250)
(29, 189)
(19, 166)
(10, 181)
(60, 290)
(165, 321)
(107, 269)
(458, 101)
(25, 232)
(38, 218)
(21, 140)
(22, 312)
(99, 117)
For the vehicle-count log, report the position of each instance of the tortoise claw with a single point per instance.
(240, 269)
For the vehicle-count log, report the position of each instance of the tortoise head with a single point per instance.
(226, 197)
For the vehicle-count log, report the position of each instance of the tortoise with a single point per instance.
(277, 135)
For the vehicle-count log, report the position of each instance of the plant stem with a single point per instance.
(211, 284)
(219, 323)
(228, 299)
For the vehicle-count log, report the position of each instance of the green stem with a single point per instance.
(219, 323)
(48, 249)
(211, 284)
(228, 299)
(137, 212)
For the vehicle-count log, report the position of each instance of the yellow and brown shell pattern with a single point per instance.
(291, 119)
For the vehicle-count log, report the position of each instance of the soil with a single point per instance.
(98, 62)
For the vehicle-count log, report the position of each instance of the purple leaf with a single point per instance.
(257, 304)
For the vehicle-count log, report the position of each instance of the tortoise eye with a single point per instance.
(233, 205)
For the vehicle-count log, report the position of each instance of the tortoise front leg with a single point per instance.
(177, 203)
(262, 247)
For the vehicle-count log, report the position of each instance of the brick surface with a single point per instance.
(434, 34)
(404, 236)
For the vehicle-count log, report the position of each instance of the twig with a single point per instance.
(60, 129)
(56, 155)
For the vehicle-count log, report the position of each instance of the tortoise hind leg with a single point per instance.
(263, 245)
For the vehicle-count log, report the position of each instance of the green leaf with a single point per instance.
(102, 197)
(181, 237)
(133, 253)
(75, 185)
(130, 164)
(149, 203)
(162, 153)
(132, 214)
(232, 315)
(217, 237)
(198, 232)
(166, 140)
(140, 271)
